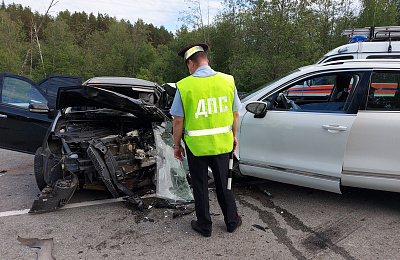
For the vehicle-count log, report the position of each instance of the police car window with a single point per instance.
(20, 93)
(384, 92)
(388, 56)
(323, 93)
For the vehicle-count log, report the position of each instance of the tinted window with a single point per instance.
(20, 93)
(384, 92)
(389, 56)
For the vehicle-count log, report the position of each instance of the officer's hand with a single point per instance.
(179, 153)
(235, 143)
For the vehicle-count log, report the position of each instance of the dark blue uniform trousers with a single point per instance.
(198, 167)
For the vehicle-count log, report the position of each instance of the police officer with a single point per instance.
(205, 108)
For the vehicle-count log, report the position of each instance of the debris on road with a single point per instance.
(149, 219)
(260, 227)
(44, 247)
(182, 211)
(268, 193)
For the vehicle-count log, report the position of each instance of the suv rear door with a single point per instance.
(372, 153)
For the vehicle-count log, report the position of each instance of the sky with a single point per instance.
(156, 12)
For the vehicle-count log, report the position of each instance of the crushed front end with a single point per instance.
(103, 138)
(99, 149)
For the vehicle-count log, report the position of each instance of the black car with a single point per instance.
(28, 108)
(102, 137)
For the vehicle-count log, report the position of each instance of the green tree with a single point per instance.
(61, 55)
(11, 37)
(158, 36)
(379, 13)
(254, 40)
(109, 52)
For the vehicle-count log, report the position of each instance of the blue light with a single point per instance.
(358, 38)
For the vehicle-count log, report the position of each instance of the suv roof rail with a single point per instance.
(340, 62)
(374, 33)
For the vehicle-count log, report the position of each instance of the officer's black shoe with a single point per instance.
(200, 230)
(231, 230)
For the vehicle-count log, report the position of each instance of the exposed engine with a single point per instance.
(116, 153)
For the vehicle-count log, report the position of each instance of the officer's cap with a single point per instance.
(192, 49)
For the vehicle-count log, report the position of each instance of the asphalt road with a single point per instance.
(292, 223)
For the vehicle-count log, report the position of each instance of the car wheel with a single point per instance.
(38, 169)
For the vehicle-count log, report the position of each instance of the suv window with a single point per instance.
(389, 56)
(347, 57)
(326, 93)
(20, 93)
(384, 92)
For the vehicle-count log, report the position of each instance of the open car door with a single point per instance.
(26, 110)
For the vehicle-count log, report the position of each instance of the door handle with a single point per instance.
(335, 128)
(3, 116)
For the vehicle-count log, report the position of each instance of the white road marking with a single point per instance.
(14, 212)
(68, 206)
(91, 203)
(74, 205)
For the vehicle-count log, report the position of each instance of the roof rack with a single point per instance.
(375, 33)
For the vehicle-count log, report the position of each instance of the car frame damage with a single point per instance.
(102, 139)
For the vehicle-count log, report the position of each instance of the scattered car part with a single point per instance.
(56, 196)
(44, 247)
(259, 227)
(171, 175)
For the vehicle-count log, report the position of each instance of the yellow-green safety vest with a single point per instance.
(207, 104)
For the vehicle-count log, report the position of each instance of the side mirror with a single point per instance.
(39, 108)
(258, 108)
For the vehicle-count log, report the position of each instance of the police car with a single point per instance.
(367, 43)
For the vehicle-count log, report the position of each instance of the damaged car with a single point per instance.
(104, 138)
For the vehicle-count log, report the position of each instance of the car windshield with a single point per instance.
(258, 90)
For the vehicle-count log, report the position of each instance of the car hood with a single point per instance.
(95, 97)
